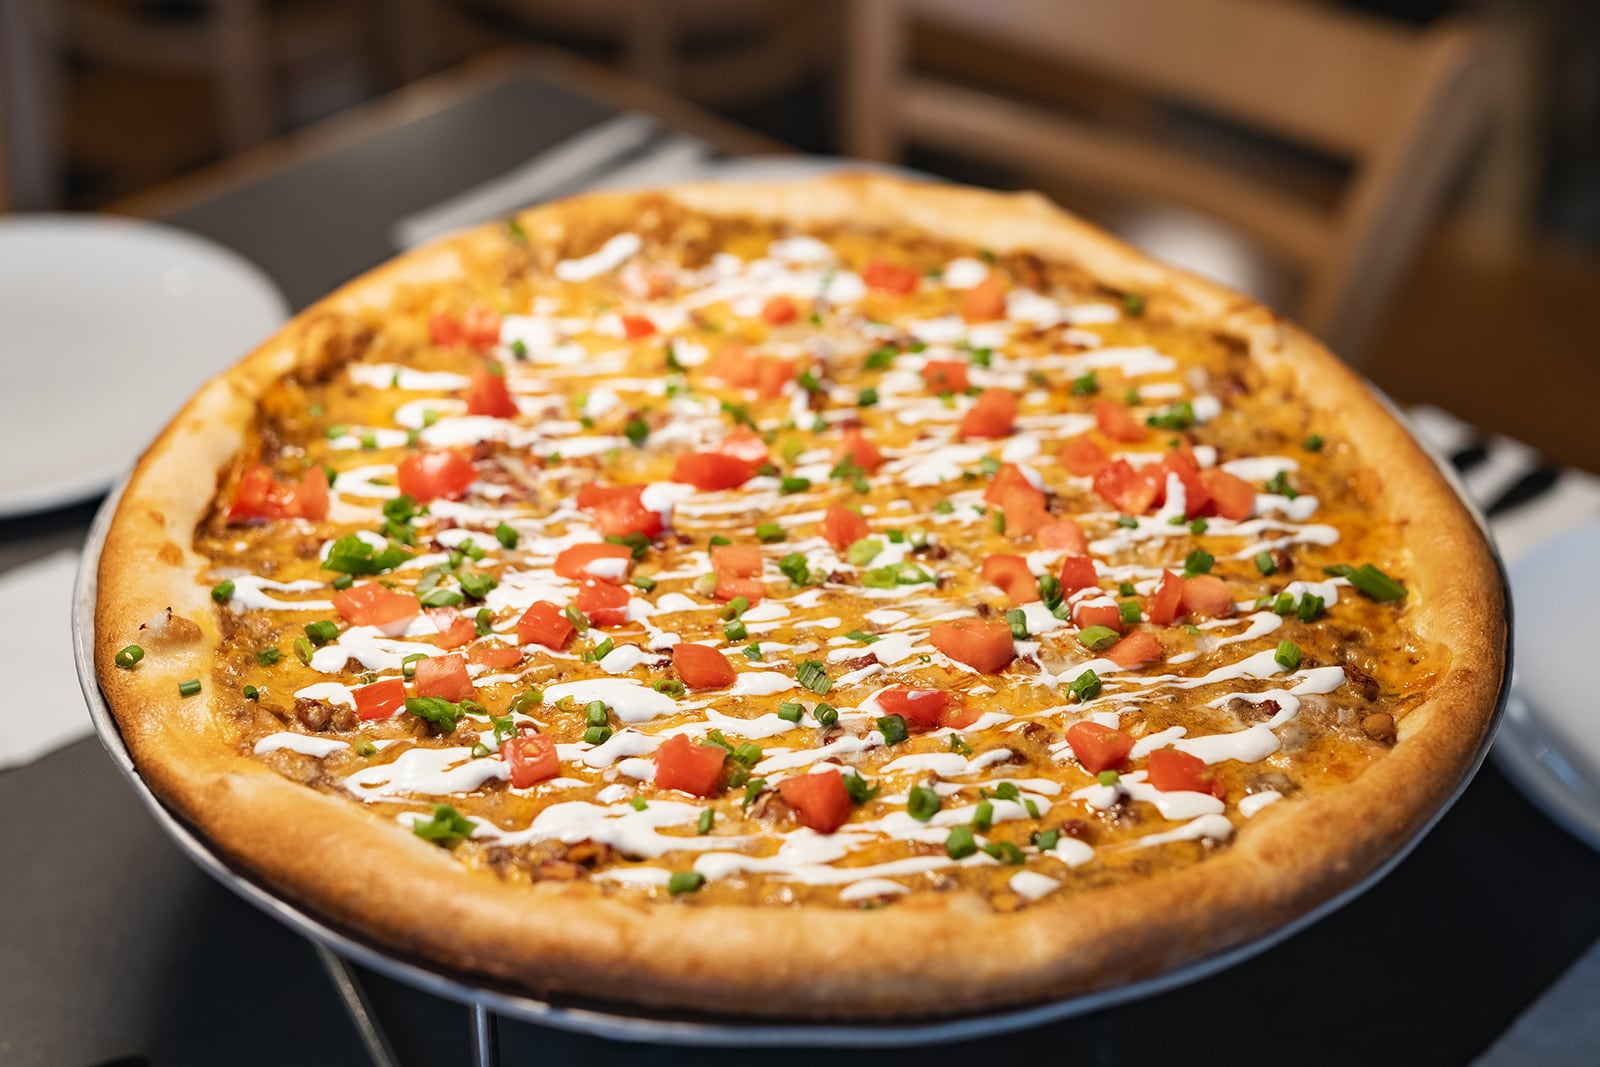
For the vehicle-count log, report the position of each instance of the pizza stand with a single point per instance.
(487, 1001)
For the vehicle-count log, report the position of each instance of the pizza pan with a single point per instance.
(635, 1024)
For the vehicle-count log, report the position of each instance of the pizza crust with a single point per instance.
(945, 955)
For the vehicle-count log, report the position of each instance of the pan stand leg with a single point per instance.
(359, 1008)
(485, 1037)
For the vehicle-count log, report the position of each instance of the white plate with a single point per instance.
(106, 327)
(1549, 741)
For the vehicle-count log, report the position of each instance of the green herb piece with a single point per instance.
(638, 803)
(1050, 590)
(1283, 603)
(266, 657)
(789, 711)
(867, 397)
(595, 713)
(944, 507)
(923, 803)
(643, 582)
(448, 827)
(1128, 611)
(1086, 385)
(189, 688)
(1108, 777)
(1097, 638)
(1198, 562)
(752, 652)
(880, 359)
(863, 551)
(1046, 840)
(1264, 563)
(442, 597)
(351, 555)
(483, 622)
(1198, 527)
(579, 621)
(703, 825)
(960, 844)
(735, 630)
(597, 735)
(826, 714)
(1370, 581)
(1288, 655)
(685, 882)
(1126, 589)
(129, 656)
(893, 728)
(903, 573)
(322, 631)
(366, 748)
(1127, 522)
(1005, 852)
(343, 581)
(793, 566)
(222, 591)
(437, 712)
(1033, 809)
(476, 584)
(982, 357)
(1017, 619)
(752, 789)
(959, 744)
(636, 431)
(769, 532)
(302, 650)
(814, 676)
(1179, 416)
(860, 792)
(1310, 607)
(861, 637)
(1313, 443)
(1279, 485)
(997, 521)
(669, 686)
(1133, 304)
(1085, 686)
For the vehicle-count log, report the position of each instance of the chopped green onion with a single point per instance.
(1127, 522)
(1283, 604)
(669, 686)
(1050, 590)
(960, 844)
(1198, 527)
(442, 597)
(507, 535)
(1005, 852)
(1310, 607)
(1085, 686)
(752, 651)
(638, 803)
(685, 882)
(1108, 777)
(944, 507)
(957, 744)
(1370, 581)
(1312, 443)
(863, 637)
(644, 582)
(1128, 611)
(266, 657)
(251, 692)
(1126, 589)
(1133, 304)
(483, 622)
(448, 827)
(703, 824)
(636, 431)
(735, 630)
(351, 555)
(983, 815)
(770, 532)
(893, 728)
(189, 688)
(366, 748)
(1288, 655)
(128, 657)
(578, 619)
(595, 713)
(826, 714)
(863, 551)
(795, 569)
(1017, 619)
(1198, 562)
(1097, 638)
(880, 358)
(1087, 385)
(1046, 840)
(437, 712)
(860, 792)
(735, 607)
(1264, 563)
(789, 711)
(1280, 486)
(302, 650)
(342, 581)
(322, 631)
(867, 397)
(222, 591)
(597, 735)
(814, 676)
(1179, 416)
(923, 803)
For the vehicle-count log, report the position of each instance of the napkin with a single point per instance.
(44, 708)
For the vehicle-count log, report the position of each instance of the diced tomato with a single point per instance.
(983, 644)
(444, 676)
(455, 629)
(487, 393)
(843, 527)
(1012, 575)
(700, 667)
(544, 624)
(1063, 533)
(497, 657)
(992, 416)
(820, 801)
(767, 375)
(945, 375)
(1166, 604)
(481, 327)
(1082, 457)
(259, 496)
(445, 329)
(691, 768)
(1135, 650)
(429, 476)
(605, 604)
(380, 699)
(738, 561)
(1098, 748)
(1089, 614)
(1174, 771)
(858, 450)
(533, 758)
(730, 588)
(743, 443)
(1196, 494)
(1119, 485)
(1024, 510)
(1234, 498)
(1206, 594)
(1008, 477)
(1117, 422)
(370, 604)
(712, 471)
(985, 301)
(637, 326)
(603, 561)
(619, 510)
(890, 277)
(780, 310)
(1077, 572)
(922, 709)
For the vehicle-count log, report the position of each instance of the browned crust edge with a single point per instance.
(345, 864)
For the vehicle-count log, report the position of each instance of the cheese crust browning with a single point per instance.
(1033, 654)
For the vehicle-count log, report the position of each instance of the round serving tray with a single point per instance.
(638, 1024)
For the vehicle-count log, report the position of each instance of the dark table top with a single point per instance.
(116, 949)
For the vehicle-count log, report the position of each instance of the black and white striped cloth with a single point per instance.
(1525, 498)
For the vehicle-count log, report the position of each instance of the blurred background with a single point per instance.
(1418, 181)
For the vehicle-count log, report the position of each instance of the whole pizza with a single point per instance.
(852, 598)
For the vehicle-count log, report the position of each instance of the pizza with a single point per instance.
(844, 599)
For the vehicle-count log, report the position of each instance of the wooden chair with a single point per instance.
(1401, 105)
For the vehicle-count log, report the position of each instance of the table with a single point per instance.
(145, 959)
